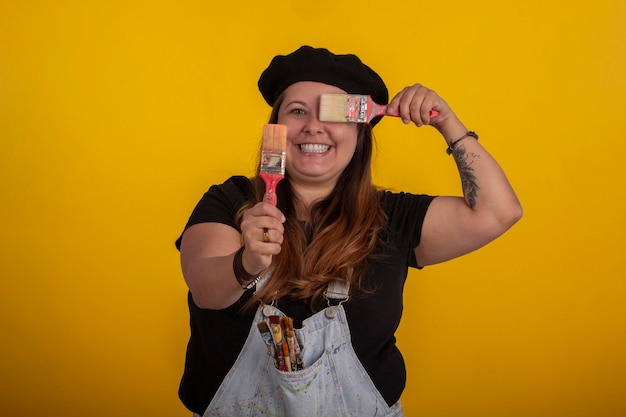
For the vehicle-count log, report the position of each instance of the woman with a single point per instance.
(333, 253)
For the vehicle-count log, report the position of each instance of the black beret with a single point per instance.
(319, 64)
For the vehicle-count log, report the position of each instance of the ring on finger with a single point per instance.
(266, 237)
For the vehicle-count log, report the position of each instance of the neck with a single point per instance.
(309, 195)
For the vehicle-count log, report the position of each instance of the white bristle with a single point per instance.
(333, 108)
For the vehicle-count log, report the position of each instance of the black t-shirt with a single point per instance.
(217, 336)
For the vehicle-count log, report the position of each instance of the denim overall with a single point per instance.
(332, 384)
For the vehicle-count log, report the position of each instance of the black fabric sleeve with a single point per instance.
(406, 214)
(220, 203)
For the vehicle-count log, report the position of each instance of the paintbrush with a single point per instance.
(277, 336)
(355, 108)
(294, 346)
(273, 159)
(286, 357)
(267, 338)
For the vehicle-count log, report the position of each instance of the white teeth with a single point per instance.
(314, 148)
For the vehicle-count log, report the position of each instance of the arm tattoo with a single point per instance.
(468, 178)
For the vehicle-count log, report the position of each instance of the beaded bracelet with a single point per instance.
(244, 279)
(453, 143)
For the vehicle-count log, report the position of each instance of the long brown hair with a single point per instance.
(341, 234)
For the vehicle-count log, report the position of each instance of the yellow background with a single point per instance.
(115, 116)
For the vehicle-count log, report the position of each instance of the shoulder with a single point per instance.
(236, 185)
(233, 192)
(405, 214)
(405, 217)
(221, 202)
(399, 203)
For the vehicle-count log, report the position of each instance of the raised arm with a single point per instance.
(454, 226)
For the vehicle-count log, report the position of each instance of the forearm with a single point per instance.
(212, 281)
(206, 254)
(486, 189)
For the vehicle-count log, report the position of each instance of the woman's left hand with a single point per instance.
(414, 104)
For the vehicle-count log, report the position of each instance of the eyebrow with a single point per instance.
(302, 103)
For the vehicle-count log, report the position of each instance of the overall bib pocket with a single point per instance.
(332, 383)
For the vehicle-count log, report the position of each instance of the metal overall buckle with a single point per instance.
(336, 290)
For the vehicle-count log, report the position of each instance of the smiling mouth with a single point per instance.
(314, 148)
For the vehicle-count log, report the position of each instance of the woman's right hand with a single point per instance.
(262, 233)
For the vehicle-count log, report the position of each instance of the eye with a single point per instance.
(296, 109)
(298, 112)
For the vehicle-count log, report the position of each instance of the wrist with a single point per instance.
(243, 277)
(453, 143)
(452, 128)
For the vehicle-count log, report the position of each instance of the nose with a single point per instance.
(313, 124)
